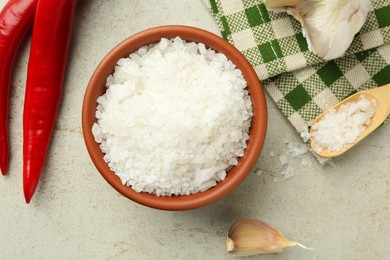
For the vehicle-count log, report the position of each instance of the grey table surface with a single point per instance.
(342, 210)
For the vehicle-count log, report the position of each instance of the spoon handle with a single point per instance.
(382, 96)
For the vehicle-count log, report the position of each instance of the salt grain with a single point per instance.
(288, 173)
(174, 118)
(298, 150)
(283, 159)
(305, 135)
(304, 163)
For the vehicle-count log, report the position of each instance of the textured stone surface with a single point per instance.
(341, 210)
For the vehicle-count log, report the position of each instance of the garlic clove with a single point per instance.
(252, 237)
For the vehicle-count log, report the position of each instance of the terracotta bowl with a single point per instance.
(96, 88)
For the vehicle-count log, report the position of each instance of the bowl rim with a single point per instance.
(257, 131)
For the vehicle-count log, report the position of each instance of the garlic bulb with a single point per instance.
(252, 237)
(328, 25)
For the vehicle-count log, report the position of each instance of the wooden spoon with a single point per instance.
(382, 97)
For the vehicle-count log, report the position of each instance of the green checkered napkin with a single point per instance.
(301, 83)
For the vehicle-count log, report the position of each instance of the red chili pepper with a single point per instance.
(45, 78)
(16, 18)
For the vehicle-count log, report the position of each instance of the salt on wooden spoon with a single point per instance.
(380, 95)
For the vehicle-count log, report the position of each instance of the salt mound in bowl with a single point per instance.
(97, 87)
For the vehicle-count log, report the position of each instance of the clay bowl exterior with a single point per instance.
(96, 88)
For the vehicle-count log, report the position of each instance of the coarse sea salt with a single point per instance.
(175, 116)
(341, 127)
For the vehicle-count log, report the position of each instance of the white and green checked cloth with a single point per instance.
(302, 84)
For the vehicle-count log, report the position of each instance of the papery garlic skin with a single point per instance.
(329, 26)
(281, 3)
